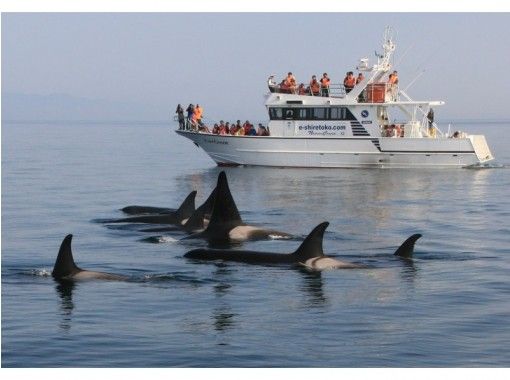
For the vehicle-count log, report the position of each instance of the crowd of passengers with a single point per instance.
(193, 121)
(319, 87)
(393, 130)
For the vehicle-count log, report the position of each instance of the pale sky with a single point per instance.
(153, 61)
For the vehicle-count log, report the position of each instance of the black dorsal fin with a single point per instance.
(225, 215)
(64, 265)
(407, 248)
(187, 208)
(195, 221)
(207, 206)
(312, 246)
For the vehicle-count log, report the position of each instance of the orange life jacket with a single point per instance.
(325, 82)
(315, 86)
(349, 82)
(198, 113)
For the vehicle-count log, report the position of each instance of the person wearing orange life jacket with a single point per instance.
(349, 82)
(315, 87)
(393, 83)
(198, 114)
(301, 89)
(290, 82)
(393, 78)
(325, 84)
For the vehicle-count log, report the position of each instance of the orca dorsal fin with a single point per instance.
(195, 221)
(207, 206)
(407, 248)
(312, 246)
(64, 265)
(187, 208)
(225, 214)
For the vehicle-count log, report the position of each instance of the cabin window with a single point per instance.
(309, 113)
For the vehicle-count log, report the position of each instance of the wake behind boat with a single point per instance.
(346, 126)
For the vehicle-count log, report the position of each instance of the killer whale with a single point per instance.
(309, 254)
(137, 210)
(66, 270)
(185, 210)
(225, 224)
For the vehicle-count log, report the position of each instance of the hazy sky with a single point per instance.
(222, 60)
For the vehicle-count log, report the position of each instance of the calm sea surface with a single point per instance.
(449, 307)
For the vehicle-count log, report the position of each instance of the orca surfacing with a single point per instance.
(66, 270)
(226, 224)
(309, 254)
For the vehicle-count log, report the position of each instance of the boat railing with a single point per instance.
(334, 90)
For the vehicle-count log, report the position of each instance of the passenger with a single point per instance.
(290, 82)
(393, 78)
(301, 89)
(315, 86)
(262, 131)
(226, 129)
(247, 126)
(252, 131)
(180, 116)
(273, 86)
(216, 129)
(360, 78)
(430, 119)
(349, 82)
(398, 131)
(325, 84)
(392, 88)
(239, 131)
(232, 129)
(284, 88)
(198, 113)
(190, 110)
(203, 128)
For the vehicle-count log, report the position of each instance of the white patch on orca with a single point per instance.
(243, 232)
(90, 275)
(184, 221)
(323, 263)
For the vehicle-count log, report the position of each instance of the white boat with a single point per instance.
(348, 129)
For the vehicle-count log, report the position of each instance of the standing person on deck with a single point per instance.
(315, 87)
(180, 116)
(198, 114)
(325, 84)
(349, 82)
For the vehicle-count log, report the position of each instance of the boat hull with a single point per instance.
(349, 152)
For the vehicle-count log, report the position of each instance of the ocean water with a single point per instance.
(448, 307)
